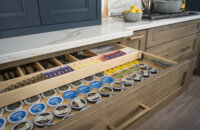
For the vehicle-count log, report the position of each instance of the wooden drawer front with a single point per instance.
(137, 41)
(165, 85)
(176, 50)
(168, 33)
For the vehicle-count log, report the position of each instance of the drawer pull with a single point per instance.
(131, 120)
(136, 37)
(184, 49)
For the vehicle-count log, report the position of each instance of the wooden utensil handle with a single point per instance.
(131, 120)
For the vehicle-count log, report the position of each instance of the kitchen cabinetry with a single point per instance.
(175, 42)
(163, 34)
(178, 49)
(121, 111)
(18, 14)
(61, 11)
(21, 17)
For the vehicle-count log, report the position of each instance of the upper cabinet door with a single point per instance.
(62, 11)
(18, 14)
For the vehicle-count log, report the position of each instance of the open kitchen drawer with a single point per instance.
(116, 112)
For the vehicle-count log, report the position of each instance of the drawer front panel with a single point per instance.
(176, 50)
(168, 33)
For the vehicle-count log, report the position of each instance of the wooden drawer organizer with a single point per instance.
(32, 73)
(116, 112)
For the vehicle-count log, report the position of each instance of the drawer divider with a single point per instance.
(57, 62)
(19, 69)
(39, 66)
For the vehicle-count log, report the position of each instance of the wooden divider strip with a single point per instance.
(1, 78)
(39, 66)
(71, 58)
(57, 62)
(90, 52)
(19, 69)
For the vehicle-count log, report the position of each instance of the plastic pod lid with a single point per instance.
(78, 103)
(55, 101)
(37, 108)
(137, 77)
(43, 119)
(96, 84)
(2, 123)
(49, 93)
(63, 88)
(62, 110)
(17, 116)
(76, 83)
(84, 89)
(117, 85)
(23, 125)
(153, 70)
(33, 99)
(89, 79)
(99, 75)
(70, 95)
(106, 91)
(107, 80)
(93, 97)
(142, 65)
(14, 106)
(127, 81)
(145, 73)
(1, 111)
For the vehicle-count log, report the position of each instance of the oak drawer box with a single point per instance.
(168, 33)
(115, 112)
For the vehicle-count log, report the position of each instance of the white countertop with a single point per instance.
(17, 48)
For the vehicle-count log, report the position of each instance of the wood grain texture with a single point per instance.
(168, 33)
(138, 40)
(181, 114)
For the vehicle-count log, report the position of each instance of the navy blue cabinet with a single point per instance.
(18, 14)
(22, 17)
(60, 11)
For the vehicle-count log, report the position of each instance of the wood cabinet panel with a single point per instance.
(178, 49)
(137, 41)
(18, 13)
(168, 33)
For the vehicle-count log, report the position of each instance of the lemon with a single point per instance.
(133, 7)
(132, 11)
(126, 11)
(138, 10)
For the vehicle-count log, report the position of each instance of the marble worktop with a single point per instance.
(22, 47)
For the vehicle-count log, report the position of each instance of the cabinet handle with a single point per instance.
(131, 120)
(184, 49)
(136, 37)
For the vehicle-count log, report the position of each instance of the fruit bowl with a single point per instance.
(132, 17)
